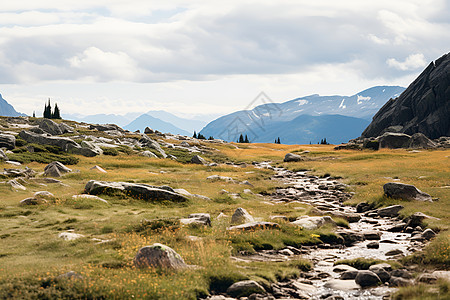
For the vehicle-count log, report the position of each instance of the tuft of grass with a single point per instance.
(436, 253)
(439, 291)
(43, 157)
(361, 263)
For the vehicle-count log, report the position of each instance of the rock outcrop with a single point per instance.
(7, 141)
(423, 107)
(159, 256)
(136, 190)
(405, 192)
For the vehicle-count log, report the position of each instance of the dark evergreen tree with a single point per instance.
(278, 141)
(241, 139)
(211, 138)
(195, 135)
(48, 110)
(201, 136)
(246, 139)
(34, 114)
(56, 114)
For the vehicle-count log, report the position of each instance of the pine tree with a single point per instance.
(211, 138)
(56, 114)
(241, 139)
(34, 114)
(195, 135)
(279, 141)
(48, 110)
(246, 139)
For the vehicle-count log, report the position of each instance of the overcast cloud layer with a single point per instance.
(207, 57)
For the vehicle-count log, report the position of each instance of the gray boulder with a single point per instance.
(105, 127)
(405, 192)
(350, 237)
(389, 211)
(32, 201)
(198, 160)
(372, 235)
(49, 126)
(394, 140)
(87, 149)
(7, 141)
(52, 171)
(146, 141)
(148, 130)
(148, 154)
(290, 157)
(241, 216)
(349, 275)
(136, 190)
(61, 168)
(245, 288)
(420, 141)
(62, 142)
(428, 234)
(398, 281)
(197, 219)
(159, 256)
(367, 278)
(66, 128)
(381, 272)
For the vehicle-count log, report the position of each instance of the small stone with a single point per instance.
(428, 234)
(198, 160)
(70, 275)
(70, 236)
(241, 216)
(372, 235)
(291, 157)
(245, 288)
(394, 252)
(373, 245)
(367, 278)
(349, 275)
(98, 169)
(159, 255)
(427, 278)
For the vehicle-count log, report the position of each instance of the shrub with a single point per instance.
(110, 151)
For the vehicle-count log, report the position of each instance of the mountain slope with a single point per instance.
(264, 117)
(154, 123)
(423, 107)
(7, 109)
(182, 123)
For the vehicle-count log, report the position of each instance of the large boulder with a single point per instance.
(62, 142)
(146, 141)
(419, 141)
(394, 140)
(197, 219)
(245, 288)
(241, 216)
(312, 223)
(405, 192)
(255, 226)
(7, 141)
(49, 126)
(423, 107)
(367, 278)
(105, 127)
(136, 190)
(198, 160)
(59, 166)
(292, 157)
(87, 149)
(159, 256)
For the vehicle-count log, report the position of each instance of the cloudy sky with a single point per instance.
(209, 57)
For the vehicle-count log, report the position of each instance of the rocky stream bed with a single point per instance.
(375, 234)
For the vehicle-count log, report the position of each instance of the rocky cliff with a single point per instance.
(423, 107)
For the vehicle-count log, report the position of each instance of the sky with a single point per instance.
(196, 57)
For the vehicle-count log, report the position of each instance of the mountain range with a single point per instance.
(306, 119)
(7, 109)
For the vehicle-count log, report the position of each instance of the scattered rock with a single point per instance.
(428, 234)
(89, 197)
(148, 154)
(52, 171)
(197, 219)
(69, 275)
(405, 192)
(241, 216)
(98, 169)
(3, 156)
(343, 268)
(245, 288)
(148, 130)
(349, 275)
(70, 236)
(401, 273)
(389, 211)
(198, 160)
(291, 157)
(393, 140)
(394, 252)
(32, 201)
(218, 177)
(373, 245)
(397, 281)
(61, 168)
(367, 278)
(311, 223)
(350, 237)
(16, 185)
(44, 195)
(49, 126)
(342, 285)
(427, 278)
(372, 235)
(159, 256)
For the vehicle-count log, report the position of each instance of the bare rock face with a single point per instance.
(159, 256)
(423, 107)
(405, 192)
(311, 223)
(367, 278)
(56, 169)
(49, 126)
(393, 140)
(198, 160)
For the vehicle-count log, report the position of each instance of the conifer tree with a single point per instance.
(246, 139)
(56, 114)
(241, 139)
(34, 114)
(278, 141)
(48, 110)
(195, 135)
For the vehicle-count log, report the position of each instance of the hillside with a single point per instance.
(7, 109)
(266, 117)
(97, 226)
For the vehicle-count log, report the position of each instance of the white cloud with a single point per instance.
(412, 62)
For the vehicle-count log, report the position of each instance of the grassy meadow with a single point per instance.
(32, 255)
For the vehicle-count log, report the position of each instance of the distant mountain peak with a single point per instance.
(7, 109)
